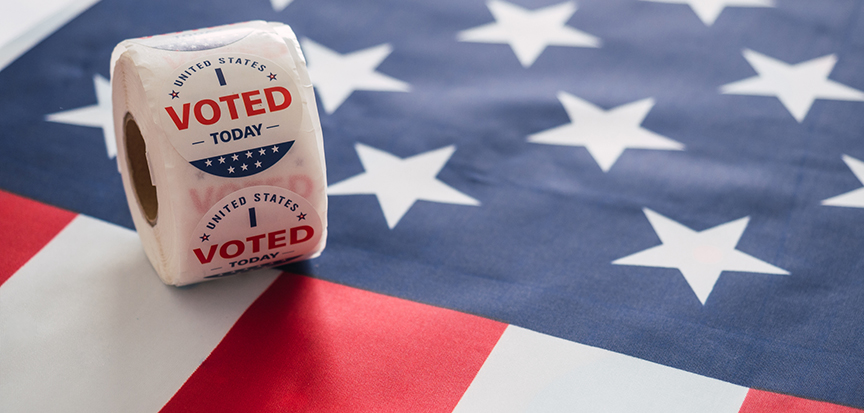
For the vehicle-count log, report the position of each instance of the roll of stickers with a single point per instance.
(220, 149)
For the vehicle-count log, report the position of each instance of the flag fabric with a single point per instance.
(100, 337)
(535, 205)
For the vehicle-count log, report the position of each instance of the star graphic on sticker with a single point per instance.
(700, 255)
(605, 133)
(262, 151)
(708, 10)
(796, 85)
(244, 167)
(301, 217)
(205, 237)
(854, 198)
(248, 154)
(336, 76)
(230, 169)
(271, 76)
(275, 149)
(257, 164)
(235, 157)
(174, 95)
(399, 183)
(99, 115)
(221, 159)
(529, 32)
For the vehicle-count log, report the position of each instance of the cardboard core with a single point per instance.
(139, 168)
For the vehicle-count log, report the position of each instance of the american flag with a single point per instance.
(535, 206)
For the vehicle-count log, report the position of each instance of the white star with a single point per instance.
(279, 5)
(244, 167)
(208, 162)
(230, 169)
(257, 164)
(262, 151)
(275, 149)
(399, 183)
(797, 86)
(700, 256)
(605, 133)
(248, 154)
(529, 32)
(234, 157)
(221, 159)
(708, 10)
(855, 198)
(97, 116)
(336, 76)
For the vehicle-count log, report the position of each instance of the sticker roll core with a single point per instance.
(220, 150)
(139, 169)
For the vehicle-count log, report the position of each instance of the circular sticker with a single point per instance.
(258, 226)
(231, 114)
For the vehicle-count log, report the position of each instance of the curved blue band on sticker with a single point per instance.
(244, 163)
(266, 264)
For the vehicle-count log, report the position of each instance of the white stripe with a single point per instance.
(23, 24)
(86, 325)
(533, 372)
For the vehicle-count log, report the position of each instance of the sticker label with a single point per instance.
(231, 114)
(201, 39)
(258, 226)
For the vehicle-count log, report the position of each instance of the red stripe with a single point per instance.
(311, 345)
(25, 227)
(758, 401)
